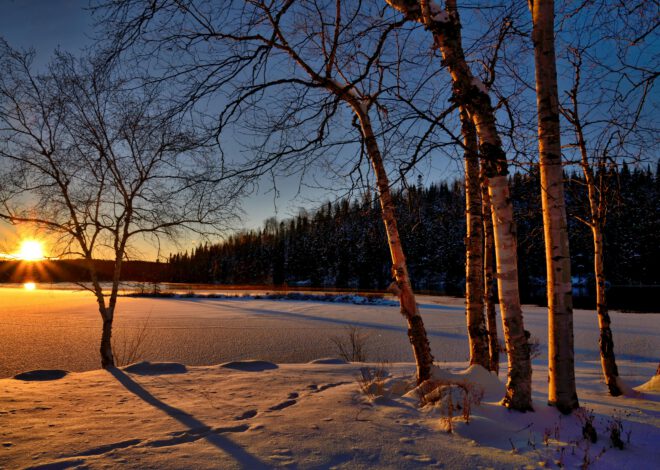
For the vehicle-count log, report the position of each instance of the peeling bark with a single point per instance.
(474, 273)
(562, 391)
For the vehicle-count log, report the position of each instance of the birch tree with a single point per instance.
(470, 92)
(99, 167)
(612, 119)
(474, 249)
(561, 362)
(489, 291)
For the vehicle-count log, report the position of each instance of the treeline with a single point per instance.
(343, 244)
(77, 270)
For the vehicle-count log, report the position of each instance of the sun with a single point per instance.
(31, 250)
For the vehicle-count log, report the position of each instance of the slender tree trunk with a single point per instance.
(473, 95)
(605, 340)
(597, 210)
(107, 315)
(107, 357)
(416, 331)
(489, 292)
(562, 391)
(474, 274)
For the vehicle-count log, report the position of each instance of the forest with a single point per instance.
(342, 244)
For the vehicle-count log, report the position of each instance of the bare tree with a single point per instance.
(562, 392)
(612, 119)
(100, 165)
(472, 93)
(318, 61)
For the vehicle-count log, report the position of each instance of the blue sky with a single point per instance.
(46, 25)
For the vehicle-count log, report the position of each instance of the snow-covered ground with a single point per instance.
(304, 415)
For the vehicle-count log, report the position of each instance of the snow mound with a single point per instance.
(249, 366)
(41, 375)
(328, 360)
(652, 386)
(156, 368)
(475, 374)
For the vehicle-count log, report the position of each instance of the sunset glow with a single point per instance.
(31, 250)
(29, 286)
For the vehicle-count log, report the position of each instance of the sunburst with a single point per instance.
(31, 250)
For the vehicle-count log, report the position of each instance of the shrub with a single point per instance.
(352, 346)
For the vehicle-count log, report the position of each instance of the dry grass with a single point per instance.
(372, 380)
(352, 346)
(129, 344)
(450, 398)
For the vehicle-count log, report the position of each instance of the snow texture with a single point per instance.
(259, 414)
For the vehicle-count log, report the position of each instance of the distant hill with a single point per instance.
(75, 270)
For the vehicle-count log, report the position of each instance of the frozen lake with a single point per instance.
(61, 329)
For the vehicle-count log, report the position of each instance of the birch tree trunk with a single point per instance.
(474, 273)
(597, 210)
(562, 392)
(489, 292)
(596, 224)
(416, 330)
(605, 339)
(473, 95)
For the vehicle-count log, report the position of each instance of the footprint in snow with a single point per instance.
(246, 415)
(284, 404)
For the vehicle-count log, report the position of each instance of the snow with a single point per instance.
(650, 387)
(441, 17)
(434, 7)
(148, 368)
(438, 14)
(249, 366)
(164, 412)
(481, 86)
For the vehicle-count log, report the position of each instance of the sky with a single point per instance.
(43, 25)
(46, 25)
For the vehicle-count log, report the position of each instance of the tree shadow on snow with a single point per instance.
(196, 428)
(338, 321)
